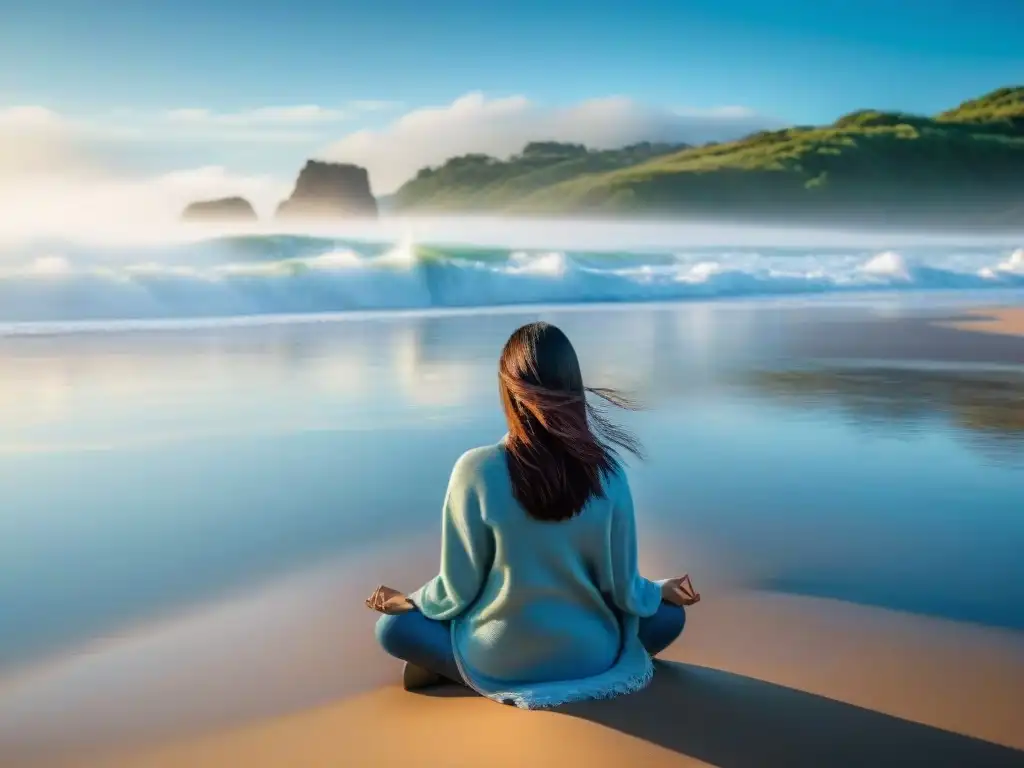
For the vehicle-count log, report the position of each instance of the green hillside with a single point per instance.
(482, 182)
(1005, 105)
(964, 166)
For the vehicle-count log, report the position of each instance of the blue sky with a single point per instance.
(125, 62)
(803, 60)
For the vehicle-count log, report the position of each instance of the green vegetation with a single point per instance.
(481, 182)
(1005, 105)
(964, 166)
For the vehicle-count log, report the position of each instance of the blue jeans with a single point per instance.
(427, 643)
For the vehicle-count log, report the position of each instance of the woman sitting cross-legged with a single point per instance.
(539, 601)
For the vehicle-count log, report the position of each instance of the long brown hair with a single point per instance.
(560, 446)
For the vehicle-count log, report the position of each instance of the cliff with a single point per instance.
(225, 209)
(330, 190)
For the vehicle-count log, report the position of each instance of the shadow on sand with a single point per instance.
(738, 722)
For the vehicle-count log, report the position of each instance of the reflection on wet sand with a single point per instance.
(246, 452)
(173, 575)
(145, 387)
(986, 406)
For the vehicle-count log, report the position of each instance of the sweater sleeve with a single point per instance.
(631, 592)
(467, 549)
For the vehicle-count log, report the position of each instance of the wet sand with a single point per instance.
(290, 676)
(1007, 321)
(931, 335)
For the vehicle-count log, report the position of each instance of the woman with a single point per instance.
(539, 601)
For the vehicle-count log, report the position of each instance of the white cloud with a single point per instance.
(61, 174)
(282, 124)
(502, 126)
(215, 181)
(302, 114)
(109, 206)
(38, 134)
(34, 139)
(123, 168)
(28, 116)
(275, 124)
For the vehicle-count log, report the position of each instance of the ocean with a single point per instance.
(186, 420)
(196, 275)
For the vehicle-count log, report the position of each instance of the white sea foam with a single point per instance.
(257, 275)
(1014, 264)
(888, 266)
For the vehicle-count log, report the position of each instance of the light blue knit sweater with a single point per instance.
(543, 613)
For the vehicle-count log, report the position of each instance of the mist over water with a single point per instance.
(175, 272)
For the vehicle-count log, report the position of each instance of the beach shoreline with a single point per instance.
(1006, 321)
(288, 673)
(775, 667)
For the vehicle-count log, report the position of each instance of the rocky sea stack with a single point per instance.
(330, 191)
(226, 209)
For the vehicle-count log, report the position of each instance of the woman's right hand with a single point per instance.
(679, 591)
(388, 600)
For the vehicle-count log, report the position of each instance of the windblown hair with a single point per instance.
(560, 447)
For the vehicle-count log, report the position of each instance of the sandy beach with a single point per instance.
(1007, 321)
(290, 676)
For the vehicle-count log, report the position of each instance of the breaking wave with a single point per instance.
(289, 274)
